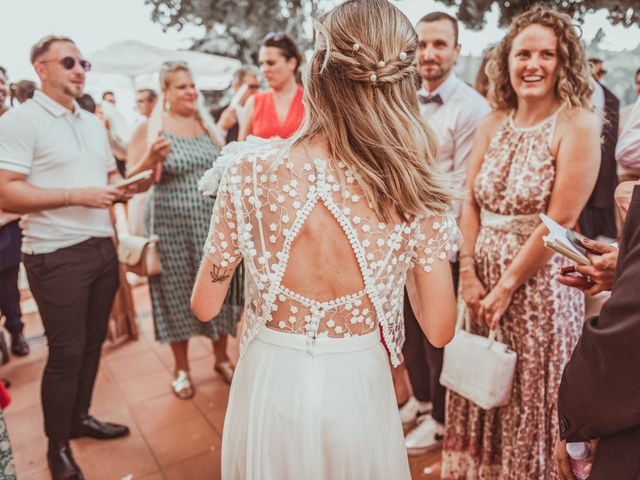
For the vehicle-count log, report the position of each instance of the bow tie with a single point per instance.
(425, 99)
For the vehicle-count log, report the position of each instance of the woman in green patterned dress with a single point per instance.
(179, 144)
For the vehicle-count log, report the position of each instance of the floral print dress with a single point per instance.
(542, 324)
(7, 468)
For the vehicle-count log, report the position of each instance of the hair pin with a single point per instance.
(356, 46)
(373, 77)
(381, 63)
(403, 56)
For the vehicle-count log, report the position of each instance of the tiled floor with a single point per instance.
(170, 439)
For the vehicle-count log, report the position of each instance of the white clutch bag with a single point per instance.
(478, 368)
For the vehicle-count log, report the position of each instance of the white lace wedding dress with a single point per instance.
(312, 396)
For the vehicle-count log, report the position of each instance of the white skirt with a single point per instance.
(323, 412)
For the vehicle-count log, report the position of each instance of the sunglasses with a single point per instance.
(171, 63)
(274, 37)
(69, 62)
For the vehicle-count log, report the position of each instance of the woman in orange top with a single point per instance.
(278, 112)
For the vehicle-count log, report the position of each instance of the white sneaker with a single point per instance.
(426, 436)
(413, 409)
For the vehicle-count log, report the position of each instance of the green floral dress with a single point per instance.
(181, 220)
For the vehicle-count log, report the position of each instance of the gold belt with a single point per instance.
(518, 224)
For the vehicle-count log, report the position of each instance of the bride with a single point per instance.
(330, 225)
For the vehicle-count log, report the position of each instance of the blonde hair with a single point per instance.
(167, 72)
(572, 87)
(360, 95)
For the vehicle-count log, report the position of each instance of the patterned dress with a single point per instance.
(542, 323)
(7, 468)
(181, 221)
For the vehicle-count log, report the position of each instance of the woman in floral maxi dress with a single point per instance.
(537, 153)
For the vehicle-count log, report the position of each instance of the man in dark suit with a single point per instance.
(599, 396)
(598, 217)
(228, 115)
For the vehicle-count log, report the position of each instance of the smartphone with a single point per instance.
(576, 240)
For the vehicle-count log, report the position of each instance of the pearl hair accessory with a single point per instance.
(403, 56)
(356, 46)
(381, 64)
(373, 77)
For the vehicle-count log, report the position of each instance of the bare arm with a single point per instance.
(141, 157)
(472, 290)
(7, 217)
(433, 301)
(16, 195)
(577, 163)
(246, 128)
(222, 256)
(470, 218)
(210, 290)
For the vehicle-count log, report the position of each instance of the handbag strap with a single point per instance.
(464, 320)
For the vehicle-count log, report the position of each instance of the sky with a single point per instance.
(95, 24)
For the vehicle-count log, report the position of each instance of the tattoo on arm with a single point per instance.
(219, 274)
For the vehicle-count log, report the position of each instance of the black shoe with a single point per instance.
(61, 462)
(4, 351)
(90, 427)
(19, 345)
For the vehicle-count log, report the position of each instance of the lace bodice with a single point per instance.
(264, 201)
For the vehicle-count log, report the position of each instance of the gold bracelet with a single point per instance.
(464, 255)
(466, 269)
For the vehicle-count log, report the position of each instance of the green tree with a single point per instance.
(472, 12)
(235, 28)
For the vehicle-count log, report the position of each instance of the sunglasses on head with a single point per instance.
(69, 62)
(172, 63)
(274, 37)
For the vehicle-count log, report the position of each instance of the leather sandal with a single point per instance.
(225, 370)
(182, 387)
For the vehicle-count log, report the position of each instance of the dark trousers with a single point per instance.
(423, 360)
(10, 299)
(74, 288)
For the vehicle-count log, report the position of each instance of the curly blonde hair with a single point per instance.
(572, 86)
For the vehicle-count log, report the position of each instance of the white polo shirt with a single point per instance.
(57, 148)
(455, 123)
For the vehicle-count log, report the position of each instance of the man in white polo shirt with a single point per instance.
(453, 109)
(55, 167)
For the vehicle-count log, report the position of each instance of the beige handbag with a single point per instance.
(478, 368)
(140, 254)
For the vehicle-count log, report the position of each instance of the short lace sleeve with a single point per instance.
(222, 246)
(437, 238)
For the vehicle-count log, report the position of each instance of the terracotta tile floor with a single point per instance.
(170, 439)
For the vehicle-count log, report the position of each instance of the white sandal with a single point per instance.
(182, 387)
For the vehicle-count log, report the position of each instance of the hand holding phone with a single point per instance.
(577, 240)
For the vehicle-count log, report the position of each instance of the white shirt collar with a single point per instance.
(445, 89)
(53, 107)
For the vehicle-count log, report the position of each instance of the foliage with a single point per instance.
(236, 27)
(472, 12)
